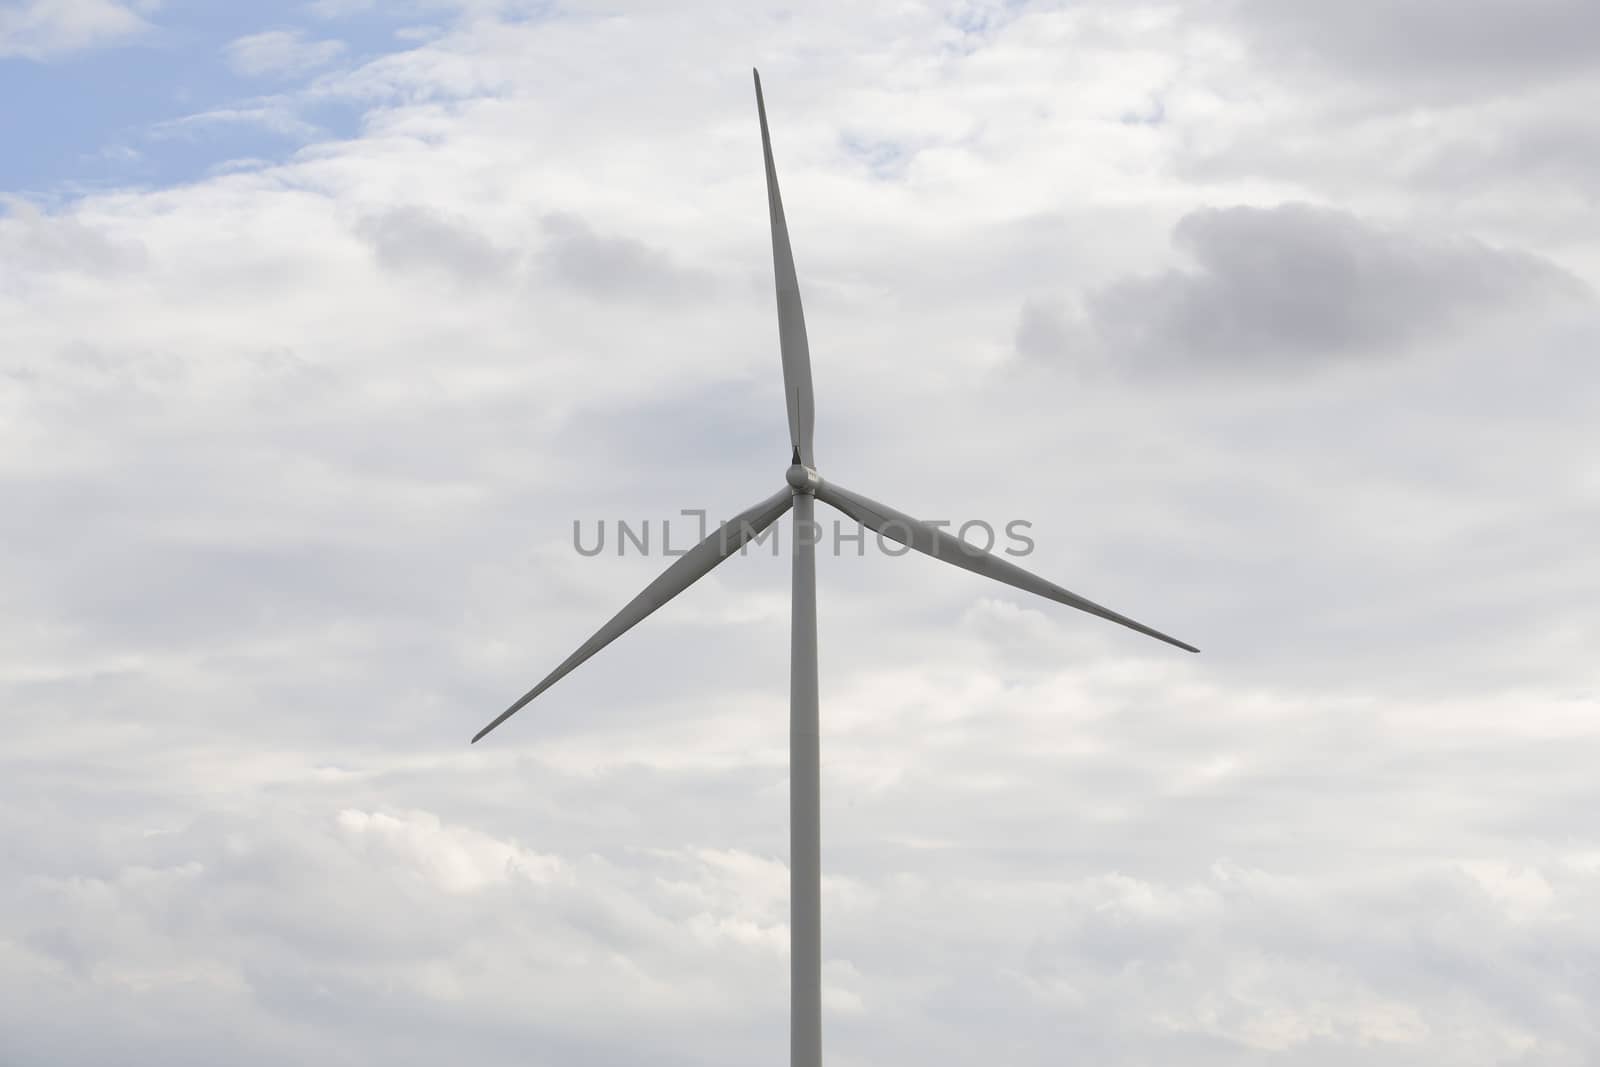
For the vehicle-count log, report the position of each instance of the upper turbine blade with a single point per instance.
(932, 541)
(791, 319)
(684, 572)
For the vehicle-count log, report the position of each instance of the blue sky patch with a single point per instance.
(176, 103)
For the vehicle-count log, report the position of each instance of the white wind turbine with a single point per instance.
(805, 487)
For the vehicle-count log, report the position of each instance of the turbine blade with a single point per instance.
(791, 319)
(932, 541)
(684, 572)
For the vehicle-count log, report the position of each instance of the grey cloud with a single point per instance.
(1289, 285)
(421, 238)
(1462, 41)
(1043, 330)
(32, 241)
(1489, 100)
(576, 255)
(1539, 144)
(1528, 158)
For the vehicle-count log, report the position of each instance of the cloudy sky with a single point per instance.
(323, 322)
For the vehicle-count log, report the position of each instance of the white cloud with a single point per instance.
(40, 29)
(281, 52)
(333, 9)
(273, 116)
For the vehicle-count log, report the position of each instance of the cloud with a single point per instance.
(1295, 285)
(325, 928)
(61, 242)
(418, 238)
(1466, 43)
(275, 116)
(228, 911)
(333, 9)
(1488, 99)
(576, 255)
(291, 457)
(41, 29)
(1044, 331)
(283, 53)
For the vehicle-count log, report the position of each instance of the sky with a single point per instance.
(325, 322)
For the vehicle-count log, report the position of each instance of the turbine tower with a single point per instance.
(804, 487)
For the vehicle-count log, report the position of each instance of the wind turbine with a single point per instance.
(804, 487)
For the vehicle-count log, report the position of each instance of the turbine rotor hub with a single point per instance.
(804, 479)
